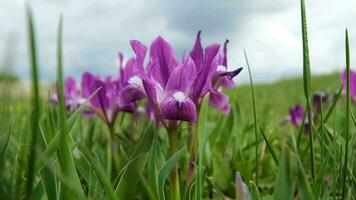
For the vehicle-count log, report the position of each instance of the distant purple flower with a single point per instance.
(352, 84)
(72, 94)
(296, 115)
(320, 99)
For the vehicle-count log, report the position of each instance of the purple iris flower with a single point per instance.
(352, 84)
(175, 89)
(72, 95)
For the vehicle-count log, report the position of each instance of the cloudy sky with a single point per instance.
(95, 30)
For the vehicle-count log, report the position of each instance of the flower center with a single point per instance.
(179, 97)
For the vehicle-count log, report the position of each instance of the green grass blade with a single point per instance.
(35, 101)
(104, 179)
(65, 157)
(307, 84)
(347, 115)
(269, 147)
(165, 171)
(55, 143)
(254, 191)
(254, 116)
(201, 129)
(131, 176)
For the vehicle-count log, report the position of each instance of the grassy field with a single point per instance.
(230, 148)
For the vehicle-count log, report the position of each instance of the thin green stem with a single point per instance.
(173, 146)
(254, 117)
(347, 113)
(35, 103)
(307, 84)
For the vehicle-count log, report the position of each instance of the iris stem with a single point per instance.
(112, 152)
(173, 145)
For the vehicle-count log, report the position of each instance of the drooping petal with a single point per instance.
(202, 83)
(224, 81)
(163, 60)
(218, 100)
(178, 107)
(131, 93)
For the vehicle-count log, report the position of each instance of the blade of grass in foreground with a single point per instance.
(201, 128)
(307, 84)
(269, 147)
(254, 116)
(165, 170)
(35, 102)
(347, 113)
(64, 153)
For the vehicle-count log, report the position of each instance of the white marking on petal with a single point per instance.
(179, 97)
(221, 68)
(135, 80)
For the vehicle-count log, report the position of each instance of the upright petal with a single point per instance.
(131, 93)
(202, 83)
(70, 88)
(178, 107)
(164, 60)
(177, 80)
(197, 53)
(224, 63)
(139, 49)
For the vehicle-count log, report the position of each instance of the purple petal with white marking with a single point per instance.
(178, 107)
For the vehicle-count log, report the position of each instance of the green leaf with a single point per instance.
(347, 126)
(131, 175)
(55, 143)
(307, 84)
(269, 147)
(65, 156)
(284, 186)
(165, 171)
(35, 102)
(103, 178)
(254, 191)
(201, 129)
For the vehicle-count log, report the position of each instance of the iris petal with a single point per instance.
(219, 101)
(178, 109)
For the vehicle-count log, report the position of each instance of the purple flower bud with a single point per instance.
(242, 192)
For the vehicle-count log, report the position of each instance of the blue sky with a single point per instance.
(95, 31)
